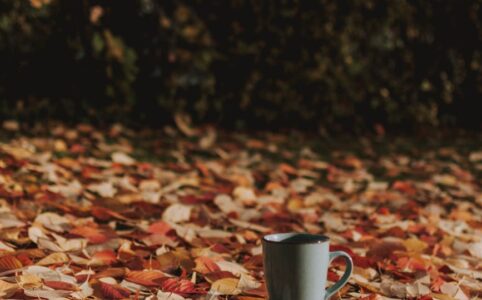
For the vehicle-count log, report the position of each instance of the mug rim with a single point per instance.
(310, 238)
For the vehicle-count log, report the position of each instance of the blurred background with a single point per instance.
(323, 65)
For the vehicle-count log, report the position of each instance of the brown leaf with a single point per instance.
(382, 250)
(111, 272)
(61, 285)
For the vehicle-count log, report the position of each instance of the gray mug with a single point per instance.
(296, 266)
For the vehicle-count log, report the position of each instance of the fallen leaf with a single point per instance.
(54, 258)
(7, 289)
(103, 258)
(29, 281)
(475, 249)
(122, 158)
(225, 286)
(9, 262)
(104, 189)
(415, 245)
(111, 291)
(94, 235)
(177, 213)
(150, 278)
(168, 296)
(53, 221)
(178, 286)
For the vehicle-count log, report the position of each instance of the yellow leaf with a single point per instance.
(295, 204)
(442, 296)
(415, 245)
(226, 286)
(7, 289)
(54, 258)
(29, 281)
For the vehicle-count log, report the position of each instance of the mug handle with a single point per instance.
(349, 267)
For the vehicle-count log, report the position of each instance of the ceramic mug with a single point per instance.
(296, 266)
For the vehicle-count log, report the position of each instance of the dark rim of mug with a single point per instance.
(316, 239)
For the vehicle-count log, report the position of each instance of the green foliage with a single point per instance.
(275, 63)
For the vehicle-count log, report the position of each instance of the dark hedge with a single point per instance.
(335, 64)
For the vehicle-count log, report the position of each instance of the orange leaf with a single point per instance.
(206, 265)
(114, 291)
(286, 168)
(92, 234)
(159, 227)
(404, 187)
(410, 264)
(105, 257)
(146, 278)
(9, 262)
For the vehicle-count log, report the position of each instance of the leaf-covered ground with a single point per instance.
(178, 214)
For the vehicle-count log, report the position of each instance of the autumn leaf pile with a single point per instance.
(178, 214)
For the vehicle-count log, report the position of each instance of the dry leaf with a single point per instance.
(415, 245)
(177, 213)
(104, 189)
(29, 281)
(168, 296)
(122, 158)
(9, 262)
(7, 289)
(225, 286)
(150, 278)
(54, 258)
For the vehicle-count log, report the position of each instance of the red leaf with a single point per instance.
(359, 261)
(77, 148)
(149, 278)
(219, 248)
(197, 199)
(9, 262)
(332, 276)
(182, 287)
(114, 291)
(404, 187)
(24, 259)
